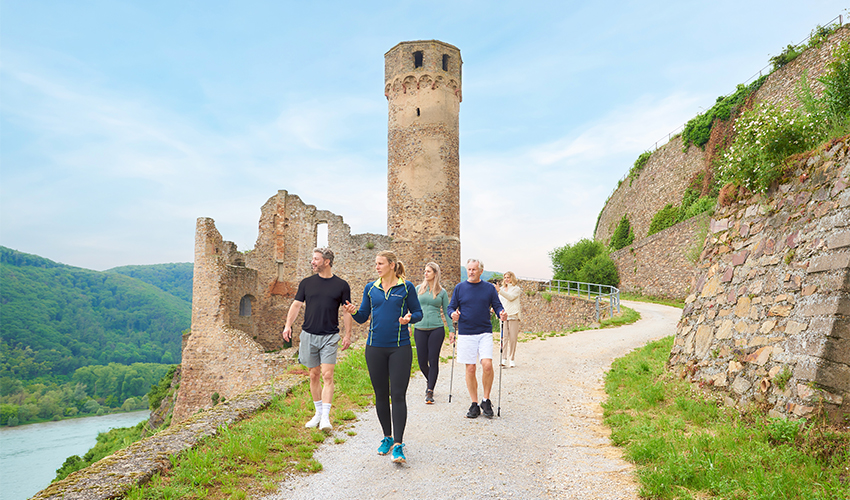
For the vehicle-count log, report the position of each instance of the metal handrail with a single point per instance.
(590, 290)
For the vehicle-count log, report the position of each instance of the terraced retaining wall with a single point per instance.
(769, 318)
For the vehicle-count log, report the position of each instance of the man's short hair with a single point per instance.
(480, 264)
(327, 254)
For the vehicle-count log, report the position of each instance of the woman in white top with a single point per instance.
(509, 294)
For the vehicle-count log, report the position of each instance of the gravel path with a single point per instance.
(548, 443)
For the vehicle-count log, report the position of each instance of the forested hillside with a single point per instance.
(175, 279)
(56, 318)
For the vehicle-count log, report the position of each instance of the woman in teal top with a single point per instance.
(392, 303)
(430, 333)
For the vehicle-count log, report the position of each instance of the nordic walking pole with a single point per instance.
(452, 376)
(501, 351)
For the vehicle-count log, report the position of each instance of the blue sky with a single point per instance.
(121, 123)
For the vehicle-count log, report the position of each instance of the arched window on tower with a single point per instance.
(417, 59)
(445, 62)
(245, 306)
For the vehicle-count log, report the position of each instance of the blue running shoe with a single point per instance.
(398, 454)
(386, 446)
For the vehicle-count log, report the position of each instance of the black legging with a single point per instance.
(386, 365)
(428, 345)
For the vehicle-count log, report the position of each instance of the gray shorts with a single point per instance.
(317, 349)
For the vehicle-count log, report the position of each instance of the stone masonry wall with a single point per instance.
(661, 265)
(557, 313)
(665, 177)
(227, 351)
(769, 319)
(663, 180)
(422, 84)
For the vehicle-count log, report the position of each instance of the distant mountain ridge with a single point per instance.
(55, 318)
(174, 278)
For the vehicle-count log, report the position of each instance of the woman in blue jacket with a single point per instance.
(392, 303)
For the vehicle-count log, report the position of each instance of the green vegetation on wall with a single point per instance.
(768, 137)
(698, 129)
(692, 205)
(623, 235)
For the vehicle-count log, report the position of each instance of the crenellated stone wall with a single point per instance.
(769, 319)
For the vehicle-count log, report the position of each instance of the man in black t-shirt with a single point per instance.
(323, 293)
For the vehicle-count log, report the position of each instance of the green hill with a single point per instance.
(175, 278)
(56, 318)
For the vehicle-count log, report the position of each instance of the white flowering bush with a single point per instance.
(765, 137)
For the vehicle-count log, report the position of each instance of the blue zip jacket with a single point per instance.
(386, 309)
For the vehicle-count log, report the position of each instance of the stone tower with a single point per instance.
(422, 82)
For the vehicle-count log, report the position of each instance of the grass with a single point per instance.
(665, 301)
(251, 457)
(686, 444)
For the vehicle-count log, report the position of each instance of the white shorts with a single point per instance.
(471, 348)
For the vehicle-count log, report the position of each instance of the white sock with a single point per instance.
(326, 410)
(318, 405)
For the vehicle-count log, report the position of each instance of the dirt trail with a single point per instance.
(548, 443)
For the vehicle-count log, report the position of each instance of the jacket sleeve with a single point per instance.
(495, 302)
(446, 310)
(365, 306)
(510, 292)
(413, 305)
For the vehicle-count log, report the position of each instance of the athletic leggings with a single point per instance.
(428, 345)
(389, 369)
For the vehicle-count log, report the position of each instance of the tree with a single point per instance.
(568, 260)
(601, 270)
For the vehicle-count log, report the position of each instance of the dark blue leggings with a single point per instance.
(428, 345)
(389, 369)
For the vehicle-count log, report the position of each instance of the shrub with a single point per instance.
(641, 162)
(787, 55)
(600, 269)
(766, 136)
(702, 204)
(160, 390)
(623, 235)
(663, 219)
(698, 130)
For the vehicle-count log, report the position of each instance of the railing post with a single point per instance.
(597, 309)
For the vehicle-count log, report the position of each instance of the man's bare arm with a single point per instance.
(294, 309)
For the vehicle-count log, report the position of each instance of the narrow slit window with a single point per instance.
(417, 111)
(417, 59)
(445, 62)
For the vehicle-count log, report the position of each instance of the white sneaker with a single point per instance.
(504, 362)
(513, 364)
(314, 422)
(325, 425)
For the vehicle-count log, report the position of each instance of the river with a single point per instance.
(30, 454)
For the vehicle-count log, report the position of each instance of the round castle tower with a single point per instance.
(422, 83)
